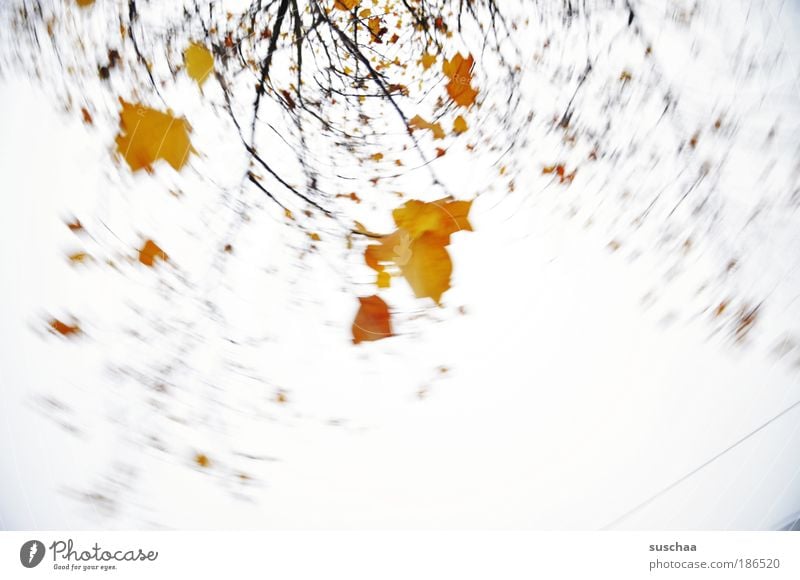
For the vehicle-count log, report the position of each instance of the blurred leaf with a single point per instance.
(199, 62)
(79, 257)
(345, 5)
(418, 247)
(459, 71)
(428, 267)
(372, 320)
(460, 125)
(147, 135)
(427, 60)
(376, 29)
(418, 122)
(150, 252)
(63, 328)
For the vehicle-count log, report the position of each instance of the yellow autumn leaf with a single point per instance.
(199, 62)
(441, 218)
(79, 257)
(427, 60)
(147, 135)
(429, 268)
(84, 3)
(460, 125)
(418, 122)
(418, 248)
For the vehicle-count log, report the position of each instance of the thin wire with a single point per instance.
(680, 480)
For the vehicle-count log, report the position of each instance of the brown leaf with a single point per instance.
(352, 196)
(376, 29)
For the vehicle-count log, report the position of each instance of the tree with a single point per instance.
(360, 133)
(363, 77)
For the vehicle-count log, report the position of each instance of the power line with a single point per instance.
(708, 462)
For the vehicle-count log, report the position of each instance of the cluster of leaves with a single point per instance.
(351, 71)
(417, 250)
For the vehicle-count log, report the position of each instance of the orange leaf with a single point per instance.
(561, 172)
(418, 122)
(63, 328)
(147, 135)
(352, 195)
(382, 253)
(459, 71)
(150, 252)
(345, 5)
(373, 321)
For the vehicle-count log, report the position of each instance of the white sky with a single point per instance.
(569, 398)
